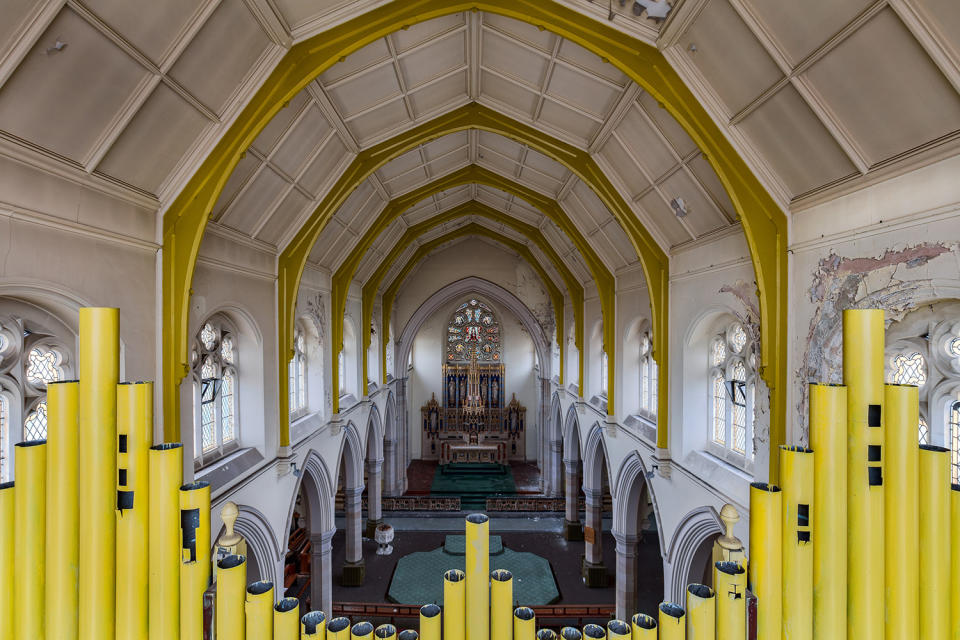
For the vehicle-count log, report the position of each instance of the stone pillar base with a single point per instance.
(594, 575)
(353, 574)
(371, 528)
(572, 531)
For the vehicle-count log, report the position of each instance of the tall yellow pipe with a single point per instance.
(619, 630)
(934, 529)
(478, 577)
(901, 511)
(430, 622)
(385, 632)
(828, 439)
(701, 612)
(731, 582)
(195, 565)
(796, 474)
(524, 624)
(671, 621)
(62, 562)
(501, 605)
(258, 611)
(286, 619)
(644, 627)
(954, 561)
(166, 469)
(338, 629)
(99, 366)
(766, 544)
(863, 370)
(230, 618)
(453, 605)
(7, 556)
(362, 631)
(134, 437)
(29, 521)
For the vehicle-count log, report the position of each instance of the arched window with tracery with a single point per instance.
(473, 326)
(732, 366)
(648, 377)
(215, 380)
(908, 366)
(298, 375)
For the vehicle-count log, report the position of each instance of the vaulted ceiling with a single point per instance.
(819, 97)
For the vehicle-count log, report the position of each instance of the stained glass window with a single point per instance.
(909, 368)
(738, 338)
(473, 327)
(719, 396)
(719, 353)
(208, 337)
(732, 392)
(955, 347)
(739, 407)
(43, 366)
(298, 374)
(923, 431)
(35, 426)
(215, 395)
(648, 377)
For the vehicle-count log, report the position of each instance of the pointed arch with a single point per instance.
(373, 446)
(689, 549)
(596, 462)
(351, 456)
(571, 435)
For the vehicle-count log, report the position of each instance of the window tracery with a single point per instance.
(648, 377)
(732, 392)
(214, 360)
(473, 325)
(298, 374)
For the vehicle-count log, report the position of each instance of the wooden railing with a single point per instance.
(408, 615)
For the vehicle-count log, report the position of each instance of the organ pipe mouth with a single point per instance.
(409, 634)
(193, 486)
(287, 604)
(313, 619)
(955, 487)
(546, 634)
(644, 621)
(454, 575)
(795, 448)
(594, 631)
(30, 443)
(257, 588)
(569, 633)
(700, 590)
(231, 562)
(618, 626)
(763, 486)
(361, 629)
(935, 448)
(523, 613)
(166, 446)
(501, 575)
(672, 609)
(9, 485)
(430, 610)
(730, 568)
(477, 518)
(385, 631)
(336, 625)
(71, 382)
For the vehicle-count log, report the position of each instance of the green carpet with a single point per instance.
(418, 578)
(473, 483)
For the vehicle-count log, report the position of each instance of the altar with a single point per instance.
(473, 453)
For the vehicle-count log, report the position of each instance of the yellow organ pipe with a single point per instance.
(430, 622)
(501, 605)
(701, 612)
(594, 632)
(644, 627)
(7, 555)
(766, 544)
(408, 634)
(338, 629)
(99, 366)
(671, 621)
(731, 582)
(286, 619)
(195, 563)
(901, 511)
(828, 439)
(524, 624)
(60, 620)
(362, 631)
(166, 469)
(954, 561)
(385, 632)
(546, 634)
(570, 633)
(863, 370)
(453, 605)
(134, 436)
(29, 522)
(478, 577)
(934, 529)
(796, 474)
(619, 630)
(258, 611)
(231, 578)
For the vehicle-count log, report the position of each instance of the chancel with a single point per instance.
(496, 320)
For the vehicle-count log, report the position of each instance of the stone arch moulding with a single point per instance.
(261, 542)
(571, 433)
(765, 225)
(624, 521)
(594, 447)
(694, 529)
(351, 446)
(374, 448)
(315, 480)
(458, 289)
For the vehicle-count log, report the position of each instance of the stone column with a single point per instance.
(554, 482)
(321, 571)
(403, 435)
(626, 575)
(572, 527)
(594, 573)
(374, 493)
(390, 480)
(353, 568)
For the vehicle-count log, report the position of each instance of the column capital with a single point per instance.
(594, 497)
(321, 542)
(626, 542)
(570, 466)
(352, 494)
(375, 466)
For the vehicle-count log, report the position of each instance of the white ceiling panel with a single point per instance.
(271, 133)
(245, 213)
(284, 217)
(296, 149)
(152, 27)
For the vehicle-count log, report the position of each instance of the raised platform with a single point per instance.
(418, 577)
(473, 483)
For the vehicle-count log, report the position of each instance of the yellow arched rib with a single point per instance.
(533, 233)
(765, 225)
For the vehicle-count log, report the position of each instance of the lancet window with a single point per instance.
(732, 365)
(215, 381)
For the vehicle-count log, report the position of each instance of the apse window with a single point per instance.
(215, 382)
(731, 393)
